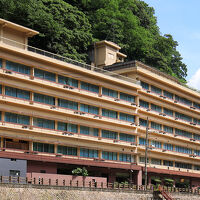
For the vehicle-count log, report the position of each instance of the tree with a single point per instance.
(80, 171)
(69, 27)
(132, 25)
(63, 28)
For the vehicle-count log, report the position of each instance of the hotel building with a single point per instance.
(58, 114)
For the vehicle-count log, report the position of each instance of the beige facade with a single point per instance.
(75, 114)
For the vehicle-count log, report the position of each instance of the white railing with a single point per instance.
(65, 59)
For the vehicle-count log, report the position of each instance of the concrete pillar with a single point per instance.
(149, 180)
(1, 142)
(56, 78)
(78, 151)
(30, 145)
(112, 177)
(100, 91)
(79, 84)
(55, 148)
(3, 64)
(139, 177)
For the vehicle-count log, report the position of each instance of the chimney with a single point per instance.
(107, 53)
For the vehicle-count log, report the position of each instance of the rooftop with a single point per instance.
(29, 32)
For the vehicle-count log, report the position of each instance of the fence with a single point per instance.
(90, 185)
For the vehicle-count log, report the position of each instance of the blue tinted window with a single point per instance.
(44, 123)
(15, 118)
(14, 92)
(67, 127)
(17, 67)
(89, 87)
(68, 104)
(44, 75)
(44, 99)
(67, 81)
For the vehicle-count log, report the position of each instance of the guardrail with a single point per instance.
(90, 184)
(65, 59)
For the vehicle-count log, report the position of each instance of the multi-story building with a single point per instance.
(58, 114)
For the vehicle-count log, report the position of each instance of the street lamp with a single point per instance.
(146, 151)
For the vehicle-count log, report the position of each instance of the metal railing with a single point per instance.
(61, 182)
(65, 59)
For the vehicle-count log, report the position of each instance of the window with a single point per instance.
(156, 90)
(142, 160)
(168, 112)
(17, 67)
(167, 146)
(109, 113)
(18, 119)
(89, 131)
(144, 104)
(14, 173)
(183, 165)
(156, 108)
(68, 81)
(197, 167)
(109, 155)
(143, 122)
(43, 147)
(168, 94)
(125, 157)
(127, 97)
(126, 137)
(156, 126)
(196, 121)
(89, 153)
(44, 75)
(109, 92)
(197, 152)
(142, 141)
(67, 127)
(89, 87)
(168, 163)
(14, 92)
(72, 151)
(44, 123)
(68, 104)
(196, 136)
(44, 99)
(156, 144)
(196, 105)
(145, 85)
(155, 161)
(109, 134)
(183, 100)
(183, 133)
(183, 117)
(89, 109)
(183, 150)
(168, 129)
(127, 117)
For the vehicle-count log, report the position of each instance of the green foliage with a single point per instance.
(69, 27)
(80, 171)
(63, 28)
(169, 182)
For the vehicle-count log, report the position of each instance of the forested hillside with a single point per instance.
(69, 27)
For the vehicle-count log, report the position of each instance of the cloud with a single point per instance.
(195, 80)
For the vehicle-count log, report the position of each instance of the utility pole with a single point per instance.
(146, 152)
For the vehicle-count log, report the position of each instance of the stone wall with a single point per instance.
(53, 194)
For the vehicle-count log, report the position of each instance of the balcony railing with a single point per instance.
(64, 59)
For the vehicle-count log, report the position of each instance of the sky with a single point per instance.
(181, 19)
